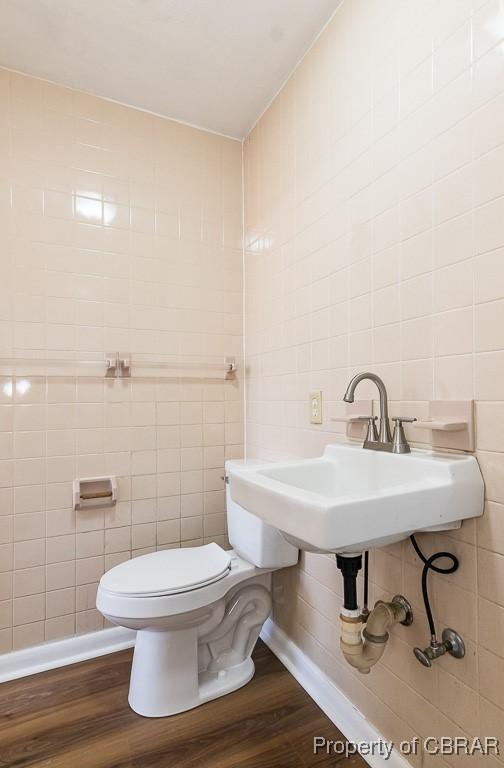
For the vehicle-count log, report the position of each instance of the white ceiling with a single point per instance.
(213, 63)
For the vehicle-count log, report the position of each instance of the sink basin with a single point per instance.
(351, 499)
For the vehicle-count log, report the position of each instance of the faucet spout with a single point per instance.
(384, 427)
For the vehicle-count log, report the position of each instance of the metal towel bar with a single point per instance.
(120, 366)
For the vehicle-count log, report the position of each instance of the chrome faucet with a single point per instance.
(381, 439)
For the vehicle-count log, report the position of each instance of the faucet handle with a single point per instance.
(372, 432)
(404, 419)
(399, 441)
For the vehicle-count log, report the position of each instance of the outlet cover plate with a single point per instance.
(315, 407)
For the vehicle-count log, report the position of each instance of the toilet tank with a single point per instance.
(252, 538)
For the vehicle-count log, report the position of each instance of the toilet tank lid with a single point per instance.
(168, 572)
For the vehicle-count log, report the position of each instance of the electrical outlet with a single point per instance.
(315, 403)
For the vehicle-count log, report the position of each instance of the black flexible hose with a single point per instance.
(366, 579)
(429, 566)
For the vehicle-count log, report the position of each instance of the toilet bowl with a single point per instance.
(198, 613)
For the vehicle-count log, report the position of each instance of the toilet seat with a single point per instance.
(168, 572)
(120, 607)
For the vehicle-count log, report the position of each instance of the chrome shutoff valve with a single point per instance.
(452, 643)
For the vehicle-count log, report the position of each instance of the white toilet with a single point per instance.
(198, 613)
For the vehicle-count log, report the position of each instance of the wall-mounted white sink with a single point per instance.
(351, 499)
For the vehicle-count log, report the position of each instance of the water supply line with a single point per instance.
(365, 607)
(451, 641)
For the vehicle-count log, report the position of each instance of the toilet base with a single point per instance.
(215, 684)
(164, 676)
(190, 658)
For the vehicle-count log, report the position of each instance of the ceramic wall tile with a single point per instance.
(422, 193)
(124, 234)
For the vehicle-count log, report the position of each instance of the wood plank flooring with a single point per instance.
(78, 717)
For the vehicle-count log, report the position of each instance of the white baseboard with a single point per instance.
(59, 653)
(331, 700)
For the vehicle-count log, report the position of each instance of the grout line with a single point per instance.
(244, 359)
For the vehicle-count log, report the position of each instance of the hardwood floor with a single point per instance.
(78, 717)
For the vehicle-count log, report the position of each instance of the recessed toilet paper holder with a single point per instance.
(89, 492)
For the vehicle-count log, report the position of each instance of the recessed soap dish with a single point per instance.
(439, 425)
(355, 417)
(90, 492)
(451, 423)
